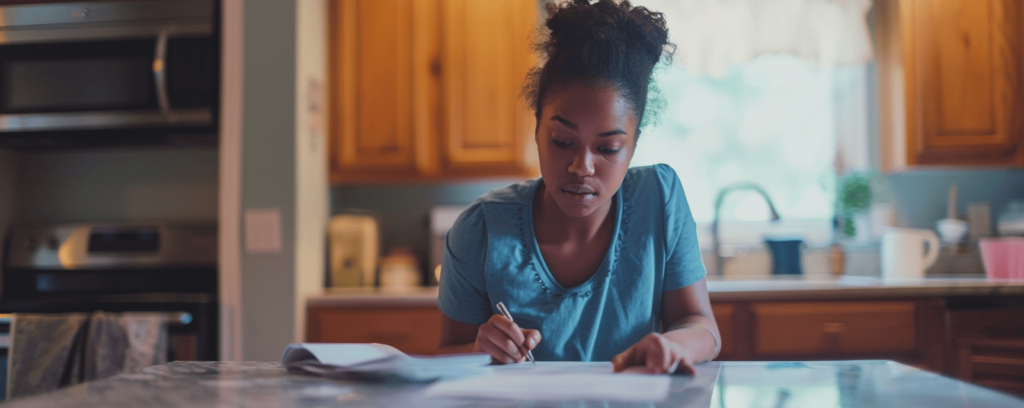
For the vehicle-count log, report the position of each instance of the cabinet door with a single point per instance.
(486, 55)
(725, 315)
(833, 328)
(963, 65)
(384, 86)
(413, 330)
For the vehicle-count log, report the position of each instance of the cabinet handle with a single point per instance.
(832, 328)
(833, 335)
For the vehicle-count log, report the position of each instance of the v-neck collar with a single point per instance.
(603, 272)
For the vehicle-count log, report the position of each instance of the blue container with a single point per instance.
(785, 255)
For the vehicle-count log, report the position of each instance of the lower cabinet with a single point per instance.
(833, 328)
(414, 330)
(983, 345)
(988, 348)
(725, 317)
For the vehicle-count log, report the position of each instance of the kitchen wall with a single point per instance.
(267, 280)
(273, 160)
(100, 186)
(312, 200)
(921, 195)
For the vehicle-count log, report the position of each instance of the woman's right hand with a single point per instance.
(504, 340)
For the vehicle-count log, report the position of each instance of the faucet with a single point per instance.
(718, 208)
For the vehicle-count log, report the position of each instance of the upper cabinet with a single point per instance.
(428, 89)
(963, 65)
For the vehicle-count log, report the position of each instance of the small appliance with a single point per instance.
(354, 250)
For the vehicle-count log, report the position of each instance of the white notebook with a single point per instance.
(378, 363)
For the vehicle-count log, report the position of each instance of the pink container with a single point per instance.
(1003, 257)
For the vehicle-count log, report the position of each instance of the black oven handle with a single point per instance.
(160, 71)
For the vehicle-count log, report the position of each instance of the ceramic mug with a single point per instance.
(904, 254)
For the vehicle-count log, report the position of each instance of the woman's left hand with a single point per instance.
(655, 354)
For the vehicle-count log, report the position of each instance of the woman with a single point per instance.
(595, 261)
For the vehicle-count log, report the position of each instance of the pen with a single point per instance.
(504, 312)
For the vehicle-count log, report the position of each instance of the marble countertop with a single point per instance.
(731, 289)
(716, 385)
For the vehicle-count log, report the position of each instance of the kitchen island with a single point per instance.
(716, 384)
(968, 327)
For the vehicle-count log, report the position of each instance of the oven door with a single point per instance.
(107, 75)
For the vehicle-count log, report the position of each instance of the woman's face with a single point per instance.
(585, 137)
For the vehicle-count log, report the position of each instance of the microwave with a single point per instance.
(116, 72)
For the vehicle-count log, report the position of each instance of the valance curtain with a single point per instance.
(714, 35)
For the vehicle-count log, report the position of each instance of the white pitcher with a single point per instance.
(904, 255)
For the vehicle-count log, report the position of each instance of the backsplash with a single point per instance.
(920, 200)
(921, 195)
(402, 209)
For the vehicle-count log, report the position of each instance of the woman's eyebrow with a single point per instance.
(564, 122)
(612, 133)
(572, 126)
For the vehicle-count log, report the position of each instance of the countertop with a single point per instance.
(719, 289)
(717, 384)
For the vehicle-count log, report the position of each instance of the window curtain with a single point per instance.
(713, 35)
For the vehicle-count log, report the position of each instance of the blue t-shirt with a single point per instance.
(491, 255)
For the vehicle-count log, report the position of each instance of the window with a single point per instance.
(776, 120)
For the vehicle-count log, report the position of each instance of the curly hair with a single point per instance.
(607, 43)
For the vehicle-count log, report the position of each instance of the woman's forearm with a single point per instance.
(698, 334)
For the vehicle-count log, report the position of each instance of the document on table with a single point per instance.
(558, 381)
(378, 363)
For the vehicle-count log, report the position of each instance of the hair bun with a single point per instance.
(579, 25)
(605, 43)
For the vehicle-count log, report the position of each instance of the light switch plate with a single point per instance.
(263, 231)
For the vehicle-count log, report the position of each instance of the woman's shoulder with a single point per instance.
(513, 194)
(647, 182)
(474, 216)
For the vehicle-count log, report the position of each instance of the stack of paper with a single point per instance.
(558, 381)
(378, 363)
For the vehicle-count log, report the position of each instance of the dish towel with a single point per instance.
(123, 342)
(50, 351)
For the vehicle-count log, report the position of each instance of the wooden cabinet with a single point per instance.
(997, 364)
(726, 319)
(988, 348)
(963, 65)
(980, 340)
(413, 330)
(428, 89)
(836, 328)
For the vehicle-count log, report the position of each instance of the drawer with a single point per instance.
(833, 327)
(412, 330)
(725, 317)
(995, 364)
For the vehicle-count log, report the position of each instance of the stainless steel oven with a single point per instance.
(125, 267)
(149, 66)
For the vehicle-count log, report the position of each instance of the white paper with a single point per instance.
(557, 382)
(346, 355)
(382, 357)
